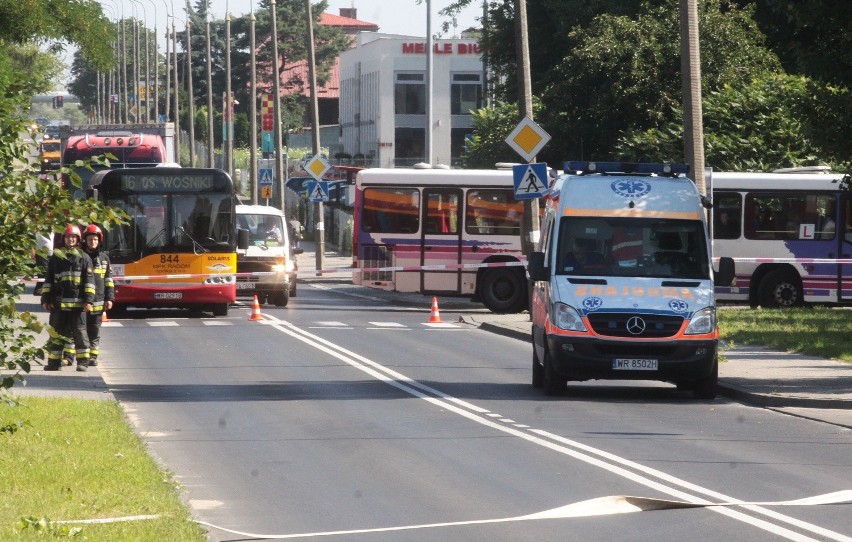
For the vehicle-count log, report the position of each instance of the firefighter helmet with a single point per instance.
(71, 229)
(93, 229)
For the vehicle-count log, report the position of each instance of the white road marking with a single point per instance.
(217, 323)
(605, 460)
(386, 324)
(163, 323)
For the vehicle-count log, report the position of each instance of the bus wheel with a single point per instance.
(220, 309)
(503, 290)
(537, 371)
(780, 288)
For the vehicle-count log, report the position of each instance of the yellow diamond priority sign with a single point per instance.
(527, 139)
(317, 167)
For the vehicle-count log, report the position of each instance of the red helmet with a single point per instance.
(71, 229)
(93, 229)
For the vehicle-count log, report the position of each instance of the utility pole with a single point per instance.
(430, 64)
(177, 87)
(253, 114)
(690, 68)
(319, 230)
(530, 226)
(276, 89)
(229, 98)
(190, 96)
(209, 94)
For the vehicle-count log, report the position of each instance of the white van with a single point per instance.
(267, 268)
(623, 280)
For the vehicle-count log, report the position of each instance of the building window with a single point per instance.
(409, 94)
(465, 93)
(410, 145)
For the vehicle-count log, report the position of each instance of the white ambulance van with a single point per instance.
(267, 268)
(623, 281)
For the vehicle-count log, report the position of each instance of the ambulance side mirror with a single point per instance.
(725, 275)
(536, 267)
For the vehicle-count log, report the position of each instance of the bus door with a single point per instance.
(441, 239)
(845, 234)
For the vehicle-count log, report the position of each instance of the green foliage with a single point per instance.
(491, 126)
(28, 205)
(770, 122)
(625, 73)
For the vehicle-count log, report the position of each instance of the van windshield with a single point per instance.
(631, 247)
(263, 229)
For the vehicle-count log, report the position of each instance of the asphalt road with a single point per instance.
(347, 417)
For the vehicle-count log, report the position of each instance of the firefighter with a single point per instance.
(93, 239)
(68, 290)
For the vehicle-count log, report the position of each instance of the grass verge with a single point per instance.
(78, 459)
(817, 331)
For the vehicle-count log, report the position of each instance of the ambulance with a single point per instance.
(623, 286)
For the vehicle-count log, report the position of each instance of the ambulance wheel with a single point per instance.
(553, 383)
(293, 289)
(220, 309)
(281, 298)
(504, 290)
(706, 388)
(780, 289)
(537, 371)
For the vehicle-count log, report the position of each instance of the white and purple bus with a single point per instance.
(790, 235)
(440, 232)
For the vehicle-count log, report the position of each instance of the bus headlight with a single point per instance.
(566, 317)
(703, 322)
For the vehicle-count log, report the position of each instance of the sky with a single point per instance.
(393, 16)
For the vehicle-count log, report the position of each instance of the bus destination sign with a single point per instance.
(166, 183)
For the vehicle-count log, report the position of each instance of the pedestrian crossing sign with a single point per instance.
(265, 176)
(318, 190)
(530, 180)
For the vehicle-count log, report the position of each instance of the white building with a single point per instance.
(383, 106)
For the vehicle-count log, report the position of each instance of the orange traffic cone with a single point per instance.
(255, 310)
(435, 316)
(105, 317)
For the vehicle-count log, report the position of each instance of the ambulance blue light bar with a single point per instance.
(626, 167)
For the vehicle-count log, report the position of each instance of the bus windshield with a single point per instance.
(171, 222)
(630, 247)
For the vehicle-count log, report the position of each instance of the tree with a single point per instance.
(626, 74)
(491, 127)
(28, 204)
(772, 122)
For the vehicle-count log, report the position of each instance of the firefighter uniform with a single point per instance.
(68, 288)
(104, 290)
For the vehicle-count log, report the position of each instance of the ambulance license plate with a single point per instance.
(634, 364)
(245, 285)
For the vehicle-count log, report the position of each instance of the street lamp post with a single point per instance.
(209, 94)
(190, 96)
(253, 109)
(276, 102)
(229, 98)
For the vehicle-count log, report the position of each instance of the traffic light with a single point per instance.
(57, 102)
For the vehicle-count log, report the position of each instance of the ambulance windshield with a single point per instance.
(630, 247)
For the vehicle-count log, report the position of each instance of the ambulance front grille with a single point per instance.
(643, 326)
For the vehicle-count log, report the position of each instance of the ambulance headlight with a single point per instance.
(566, 317)
(279, 268)
(703, 322)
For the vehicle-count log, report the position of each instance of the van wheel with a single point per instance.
(780, 289)
(293, 289)
(281, 298)
(553, 383)
(220, 309)
(706, 388)
(504, 291)
(537, 371)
